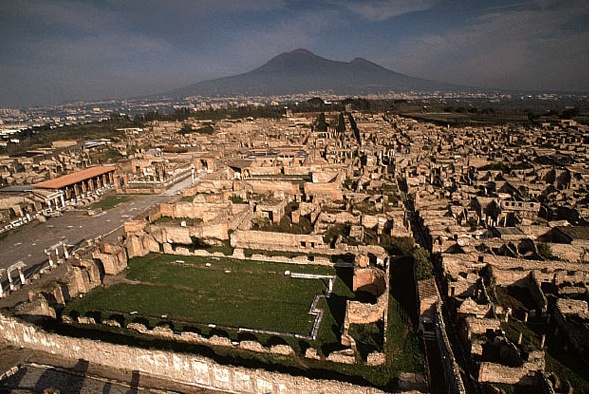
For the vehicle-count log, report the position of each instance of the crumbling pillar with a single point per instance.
(542, 341)
(10, 283)
(519, 339)
(66, 254)
(330, 287)
(49, 259)
(525, 317)
(1, 289)
(21, 275)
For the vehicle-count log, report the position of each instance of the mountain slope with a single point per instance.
(301, 71)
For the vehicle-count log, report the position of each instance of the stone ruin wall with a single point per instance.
(297, 170)
(208, 186)
(190, 337)
(273, 187)
(174, 234)
(507, 271)
(265, 240)
(451, 368)
(260, 170)
(363, 313)
(497, 373)
(374, 281)
(187, 369)
(205, 211)
(270, 241)
(329, 191)
(113, 258)
(80, 277)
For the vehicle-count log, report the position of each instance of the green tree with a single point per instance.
(341, 124)
(320, 123)
(424, 268)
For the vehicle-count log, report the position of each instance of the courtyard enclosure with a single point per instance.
(227, 293)
(177, 303)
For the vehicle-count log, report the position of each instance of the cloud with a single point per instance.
(381, 10)
(154, 9)
(303, 30)
(503, 48)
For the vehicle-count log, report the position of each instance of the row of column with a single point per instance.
(55, 249)
(53, 258)
(89, 184)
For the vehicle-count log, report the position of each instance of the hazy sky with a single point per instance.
(54, 51)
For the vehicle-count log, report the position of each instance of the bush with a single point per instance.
(545, 251)
(424, 268)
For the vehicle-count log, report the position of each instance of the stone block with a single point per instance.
(252, 346)
(283, 350)
(312, 354)
(375, 358)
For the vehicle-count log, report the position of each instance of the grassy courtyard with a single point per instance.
(252, 294)
(228, 293)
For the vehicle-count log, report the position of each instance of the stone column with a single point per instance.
(49, 259)
(10, 283)
(21, 276)
(57, 259)
(1, 289)
(330, 287)
(62, 200)
(66, 254)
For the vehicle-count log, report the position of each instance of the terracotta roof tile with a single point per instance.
(71, 179)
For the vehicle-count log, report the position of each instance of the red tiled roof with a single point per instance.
(71, 179)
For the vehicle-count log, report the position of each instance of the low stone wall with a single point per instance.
(497, 373)
(264, 240)
(364, 313)
(195, 338)
(537, 293)
(200, 210)
(184, 368)
(261, 187)
(451, 369)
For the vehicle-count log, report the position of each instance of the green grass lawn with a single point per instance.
(229, 293)
(109, 202)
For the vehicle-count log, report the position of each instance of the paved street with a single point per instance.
(28, 242)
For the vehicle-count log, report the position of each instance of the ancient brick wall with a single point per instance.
(497, 373)
(183, 368)
(265, 240)
(114, 259)
(204, 211)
